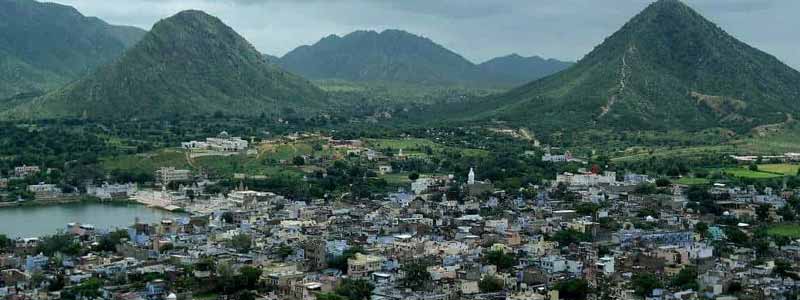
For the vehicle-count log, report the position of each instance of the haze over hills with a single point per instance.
(190, 63)
(667, 68)
(519, 70)
(399, 56)
(45, 45)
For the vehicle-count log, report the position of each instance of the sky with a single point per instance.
(477, 29)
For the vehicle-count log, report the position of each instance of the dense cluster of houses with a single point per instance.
(547, 241)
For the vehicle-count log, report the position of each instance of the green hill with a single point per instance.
(190, 63)
(388, 56)
(45, 45)
(517, 70)
(667, 68)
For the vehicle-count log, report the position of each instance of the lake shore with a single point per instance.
(66, 200)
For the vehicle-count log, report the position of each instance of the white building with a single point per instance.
(589, 179)
(421, 185)
(169, 174)
(108, 191)
(566, 157)
(223, 142)
(25, 171)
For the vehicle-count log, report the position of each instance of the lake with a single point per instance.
(35, 221)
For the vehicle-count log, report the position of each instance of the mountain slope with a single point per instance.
(518, 70)
(45, 45)
(666, 68)
(389, 56)
(190, 63)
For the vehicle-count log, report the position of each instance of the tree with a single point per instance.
(284, 251)
(355, 289)
(762, 212)
(491, 284)
(783, 268)
(59, 243)
(89, 289)
(110, 241)
(645, 283)
(686, 279)
(5, 242)
(569, 236)
(249, 276)
(413, 176)
(298, 161)
(753, 167)
(787, 213)
(663, 182)
(241, 242)
(330, 296)
(500, 259)
(340, 262)
(416, 275)
(701, 228)
(575, 289)
(587, 208)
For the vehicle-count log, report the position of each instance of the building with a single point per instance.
(587, 179)
(315, 255)
(384, 169)
(111, 191)
(361, 266)
(25, 171)
(566, 157)
(223, 142)
(170, 174)
(43, 190)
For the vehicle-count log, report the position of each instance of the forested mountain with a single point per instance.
(518, 70)
(388, 56)
(190, 63)
(45, 45)
(667, 68)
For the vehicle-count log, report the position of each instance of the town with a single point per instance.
(588, 232)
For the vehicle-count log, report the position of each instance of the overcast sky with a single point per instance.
(477, 29)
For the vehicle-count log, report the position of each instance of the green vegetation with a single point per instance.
(417, 276)
(43, 45)
(502, 260)
(692, 181)
(784, 169)
(574, 289)
(355, 289)
(785, 230)
(519, 70)
(190, 63)
(491, 284)
(395, 57)
(748, 173)
(651, 70)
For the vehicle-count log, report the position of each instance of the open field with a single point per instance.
(147, 163)
(785, 169)
(692, 181)
(787, 230)
(743, 172)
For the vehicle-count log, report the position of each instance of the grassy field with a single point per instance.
(692, 181)
(785, 169)
(743, 172)
(787, 230)
(147, 162)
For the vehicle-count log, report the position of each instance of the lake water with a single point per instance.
(34, 221)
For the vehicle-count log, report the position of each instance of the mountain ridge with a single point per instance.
(396, 55)
(649, 75)
(46, 45)
(190, 63)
